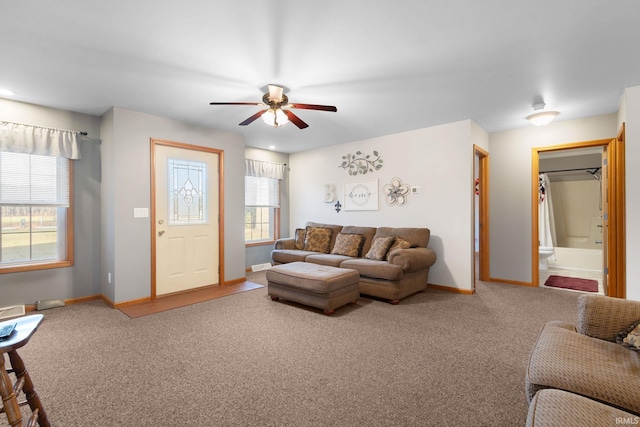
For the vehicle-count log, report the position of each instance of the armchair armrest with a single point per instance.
(604, 317)
(285, 243)
(413, 259)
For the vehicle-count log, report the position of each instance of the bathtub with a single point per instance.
(584, 259)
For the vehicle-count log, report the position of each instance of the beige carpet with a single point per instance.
(436, 359)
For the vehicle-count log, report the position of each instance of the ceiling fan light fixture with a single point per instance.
(542, 118)
(275, 117)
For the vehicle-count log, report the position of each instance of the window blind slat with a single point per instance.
(261, 192)
(34, 180)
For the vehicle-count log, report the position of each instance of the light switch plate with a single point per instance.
(140, 212)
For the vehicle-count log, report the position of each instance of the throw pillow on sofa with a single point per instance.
(318, 239)
(399, 243)
(299, 235)
(348, 244)
(379, 248)
(630, 337)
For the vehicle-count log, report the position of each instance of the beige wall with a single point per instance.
(510, 192)
(438, 159)
(630, 114)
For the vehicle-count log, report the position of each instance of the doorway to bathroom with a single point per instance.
(571, 214)
(578, 213)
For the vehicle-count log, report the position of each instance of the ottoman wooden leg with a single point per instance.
(328, 312)
(274, 298)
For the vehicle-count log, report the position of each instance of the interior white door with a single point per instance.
(186, 214)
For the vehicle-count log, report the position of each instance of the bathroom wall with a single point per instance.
(577, 213)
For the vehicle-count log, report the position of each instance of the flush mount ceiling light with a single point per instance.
(542, 118)
(7, 92)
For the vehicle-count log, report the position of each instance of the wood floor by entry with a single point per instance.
(186, 298)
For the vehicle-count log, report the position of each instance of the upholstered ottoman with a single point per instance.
(314, 285)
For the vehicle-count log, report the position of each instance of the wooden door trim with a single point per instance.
(617, 232)
(615, 236)
(156, 142)
(483, 200)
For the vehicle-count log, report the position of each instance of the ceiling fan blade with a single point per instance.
(275, 93)
(295, 119)
(236, 103)
(313, 107)
(252, 118)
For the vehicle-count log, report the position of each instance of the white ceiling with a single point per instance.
(387, 66)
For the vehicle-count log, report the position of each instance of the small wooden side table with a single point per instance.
(25, 328)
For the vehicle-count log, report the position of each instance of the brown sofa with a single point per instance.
(587, 359)
(400, 273)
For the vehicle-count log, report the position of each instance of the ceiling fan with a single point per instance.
(275, 114)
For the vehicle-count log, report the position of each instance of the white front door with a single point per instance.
(186, 219)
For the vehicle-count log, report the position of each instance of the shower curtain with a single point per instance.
(546, 224)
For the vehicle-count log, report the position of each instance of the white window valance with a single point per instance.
(261, 169)
(43, 141)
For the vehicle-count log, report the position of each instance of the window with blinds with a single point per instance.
(262, 203)
(34, 203)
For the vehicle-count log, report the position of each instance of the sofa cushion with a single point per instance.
(318, 239)
(348, 244)
(327, 259)
(379, 248)
(284, 256)
(399, 243)
(374, 269)
(418, 237)
(299, 237)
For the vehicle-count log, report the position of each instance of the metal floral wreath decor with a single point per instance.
(396, 192)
